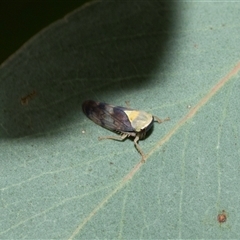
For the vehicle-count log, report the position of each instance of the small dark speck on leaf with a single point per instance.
(25, 99)
(222, 217)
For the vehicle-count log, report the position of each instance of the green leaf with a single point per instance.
(177, 60)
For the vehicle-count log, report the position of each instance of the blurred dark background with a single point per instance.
(22, 19)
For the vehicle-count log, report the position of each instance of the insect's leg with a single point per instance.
(127, 104)
(156, 119)
(138, 148)
(118, 137)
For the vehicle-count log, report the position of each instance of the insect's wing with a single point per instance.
(111, 117)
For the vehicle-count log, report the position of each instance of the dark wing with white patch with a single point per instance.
(111, 117)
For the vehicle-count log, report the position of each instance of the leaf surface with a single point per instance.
(177, 60)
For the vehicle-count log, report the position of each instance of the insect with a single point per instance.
(128, 122)
(25, 99)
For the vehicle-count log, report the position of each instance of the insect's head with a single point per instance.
(140, 121)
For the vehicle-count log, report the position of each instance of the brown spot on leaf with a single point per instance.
(222, 217)
(25, 99)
